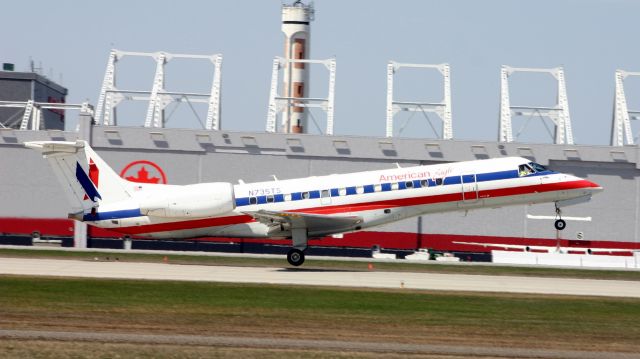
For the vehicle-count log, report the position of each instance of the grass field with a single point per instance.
(39, 349)
(427, 267)
(266, 311)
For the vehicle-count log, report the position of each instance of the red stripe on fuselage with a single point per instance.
(191, 224)
(364, 206)
(449, 197)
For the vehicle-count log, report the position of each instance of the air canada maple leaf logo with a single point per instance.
(144, 172)
(143, 177)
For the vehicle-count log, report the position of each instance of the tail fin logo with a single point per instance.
(89, 182)
(94, 175)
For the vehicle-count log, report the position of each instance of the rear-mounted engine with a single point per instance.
(197, 200)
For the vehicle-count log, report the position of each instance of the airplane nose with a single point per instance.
(586, 186)
(593, 187)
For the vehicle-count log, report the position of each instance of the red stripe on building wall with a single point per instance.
(45, 226)
(365, 239)
(64, 227)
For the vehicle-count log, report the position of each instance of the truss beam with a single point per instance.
(33, 111)
(559, 113)
(621, 126)
(442, 109)
(158, 97)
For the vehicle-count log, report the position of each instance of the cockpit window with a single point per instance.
(524, 170)
(537, 167)
(530, 168)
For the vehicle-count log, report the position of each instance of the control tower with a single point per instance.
(295, 25)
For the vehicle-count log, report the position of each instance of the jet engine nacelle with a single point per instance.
(196, 200)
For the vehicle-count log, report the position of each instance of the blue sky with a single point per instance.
(590, 38)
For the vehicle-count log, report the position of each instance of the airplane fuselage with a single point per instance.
(377, 197)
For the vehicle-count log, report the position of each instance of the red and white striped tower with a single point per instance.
(295, 25)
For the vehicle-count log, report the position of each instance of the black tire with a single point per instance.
(295, 257)
(560, 224)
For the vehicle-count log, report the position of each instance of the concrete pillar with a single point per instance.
(79, 234)
(85, 129)
(85, 126)
(126, 243)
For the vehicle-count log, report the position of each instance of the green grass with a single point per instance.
(303, 312)
(429, 267)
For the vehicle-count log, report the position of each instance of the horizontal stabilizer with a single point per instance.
(53, 147)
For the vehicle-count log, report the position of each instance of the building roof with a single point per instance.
(32, 76)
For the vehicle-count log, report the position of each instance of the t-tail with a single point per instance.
(87, 180)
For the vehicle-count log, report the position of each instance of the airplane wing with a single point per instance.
(316, 224)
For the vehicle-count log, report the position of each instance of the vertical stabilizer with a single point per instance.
(86, 179)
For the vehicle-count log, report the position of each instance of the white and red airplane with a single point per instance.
(299, 208)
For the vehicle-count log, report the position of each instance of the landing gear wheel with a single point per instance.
(560, 223)
(295, 257)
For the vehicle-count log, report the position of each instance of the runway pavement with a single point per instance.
(314, 277)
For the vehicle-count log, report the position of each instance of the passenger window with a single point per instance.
(394, 186)
(439, 181)
(408, 184)
(253, 200)
(324, 193)
(424, 183)
(270, 199)
(305, 195)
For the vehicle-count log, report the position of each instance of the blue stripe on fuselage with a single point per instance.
(100, 216)
(494, 176)
(451, 180)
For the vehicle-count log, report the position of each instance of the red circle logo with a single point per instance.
(144, 172)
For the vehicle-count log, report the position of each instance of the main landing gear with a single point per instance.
(560, 223)
(295, 256)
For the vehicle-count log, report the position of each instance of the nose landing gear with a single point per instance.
(560, 223)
